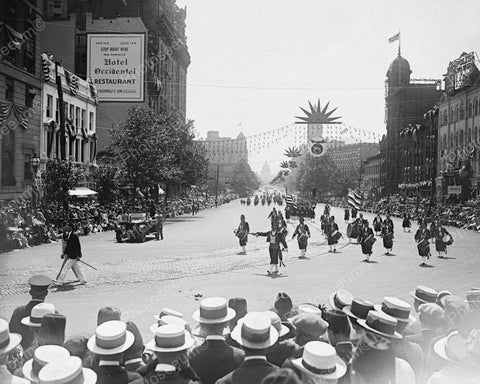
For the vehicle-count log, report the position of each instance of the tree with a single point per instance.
(58, 178)
(316, 172)
(244, 178)
(107, 182)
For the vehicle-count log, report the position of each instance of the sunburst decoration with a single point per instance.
(317, 115)
(284, 165)
(293, 152)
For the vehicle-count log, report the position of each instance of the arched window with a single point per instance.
(8, 159)
(470, 109)
(469, 138)
(451, 116)
(476, 134)
(476, 107)
(451, 140)
(456, 140)
(462, 111)
(460, 138)
(457, 113)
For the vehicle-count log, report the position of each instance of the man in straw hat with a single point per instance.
(214, 358)
(8, 342)
(255, 334)
(170, 344)
(43, 355)
(110, 341)
(66, 371)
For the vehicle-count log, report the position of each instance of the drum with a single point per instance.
(336, 235)
(447, 239)
(388, 237)
(370, 240)
(349, 229)
(302, 238)
(241, 234)
(423, 247)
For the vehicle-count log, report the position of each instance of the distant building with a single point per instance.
(265, 175)
(371, 174)
(351, 156)
(20, 95)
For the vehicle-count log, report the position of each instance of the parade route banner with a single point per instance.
(115, 64)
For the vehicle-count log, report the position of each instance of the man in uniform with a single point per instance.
(38, 291)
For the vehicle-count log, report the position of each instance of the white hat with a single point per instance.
(320, 359)
(168, 312)
(381, 324)
(424, 294)
(37, 313)
(42, 356)
(65, 371)
(170, 338)
(170, 319)
(454, 349)
(309, 308)
(340, 299)
(255, 331)
(277, 323)
(213, 310)
(396, 308)
(111, 338)
(8, 340)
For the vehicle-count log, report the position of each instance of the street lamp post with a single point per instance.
(35, 164)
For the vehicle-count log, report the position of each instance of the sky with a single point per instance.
(255, 62)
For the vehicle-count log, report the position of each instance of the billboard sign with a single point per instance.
(454, 189)
(460, 72)
(115, 63)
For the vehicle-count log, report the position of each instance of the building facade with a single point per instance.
(80, 105)
(20, 94)
(371, 175)
(406, 102)
(350, 157)
(458, 171)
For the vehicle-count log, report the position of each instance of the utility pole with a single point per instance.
(61, 106)
(216, 185)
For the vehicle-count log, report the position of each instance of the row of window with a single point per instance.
(459, 138)
(76, 114)
(459, 112)
(10, 92)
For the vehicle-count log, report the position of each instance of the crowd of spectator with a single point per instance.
(24, 226)
(433, 338)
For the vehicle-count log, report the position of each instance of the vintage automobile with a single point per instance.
(137, 228)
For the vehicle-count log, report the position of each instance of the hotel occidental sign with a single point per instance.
(460, 72)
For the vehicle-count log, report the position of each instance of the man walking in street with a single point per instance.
(73, 252)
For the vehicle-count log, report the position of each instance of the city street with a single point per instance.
(199, 256)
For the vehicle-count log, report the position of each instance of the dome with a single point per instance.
(399, 65)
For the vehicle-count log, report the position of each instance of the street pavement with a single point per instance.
(199, 257)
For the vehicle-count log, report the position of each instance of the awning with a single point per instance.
(81, 192)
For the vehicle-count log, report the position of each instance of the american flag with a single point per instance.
(354, 200)
(289, 200)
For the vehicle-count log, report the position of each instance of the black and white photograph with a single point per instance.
(240, 191)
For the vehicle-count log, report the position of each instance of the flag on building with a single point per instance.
(354, 200)
(394, 38)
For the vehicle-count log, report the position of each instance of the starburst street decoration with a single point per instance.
(284, 165)
(317, 115)
(293, 152)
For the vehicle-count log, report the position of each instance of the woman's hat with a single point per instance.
(359, 309)
(340, 299)
(460, 350)
(170, 338)
(396, 308)
(66, 371)
(309, 308)
(108, 314)
(213, 310)
(8, 341)
(283, 303)
(320, 359)
(337, 321)
(309, 324)
(52, 330)
(255, 331)
(277, 323)
(111, 338)
(169, 312)
(239, 305)
(381, 324)
(41, 357)
(424, 294)
(431, 315)
(441, 295)
(36, 316)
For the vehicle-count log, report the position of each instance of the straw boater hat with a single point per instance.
(381, 324)
(111, 338)
(396, 308)
(473, 297)
(359, 309)
(460, 350)
(8, 341)
(213, 310)
(340, 299)
(424, 294)
(170, 338)
(277, 323)
(168, 312)
(309, 308)
(42, 356)
(255, 331)
(170, 319)
(320, 359)
(66, 371)
(36, 316)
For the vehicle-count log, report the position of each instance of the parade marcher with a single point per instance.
(38, 291)
(377, 224)
(242, 233)
(367, 240)
(354, 213)
(442, 239)
(159, 226)
(73, 252)
(287, 213)
(406, 224)
(275, 238)
(273, 215)
(325, 223)
(423, 245)
(346, 217)
(388, 234)
(333, 235)
(303, 233)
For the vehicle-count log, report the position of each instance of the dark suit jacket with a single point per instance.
(214, 359)
(251, 372)
(16, 326)
(150, 376)
(73, 249)
(281, 351)
(107, 374)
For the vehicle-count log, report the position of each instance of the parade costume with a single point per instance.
(442, 239)
(377, 224)
(242, 233)
(303, 233)
(421, 237)
(275, 239)
(346, 217)
(367, 240)
(406, 224)
(333, 235)
(387, 234)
